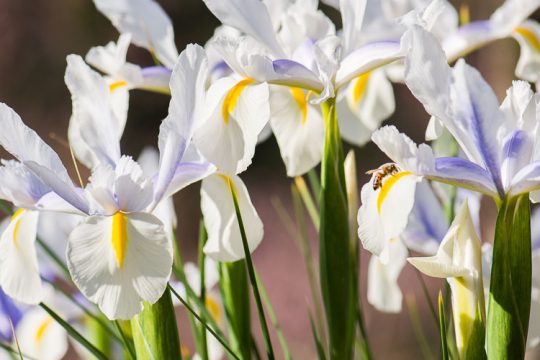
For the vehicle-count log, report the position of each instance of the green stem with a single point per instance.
(202, 296)
(74, 333)
(334, 248)
(219, 337)
(510, 285)
(155, 332)
(305, 248)
(235, 293)
(251, 273)
(274, 320)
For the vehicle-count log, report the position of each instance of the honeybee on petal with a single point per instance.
(381, 172)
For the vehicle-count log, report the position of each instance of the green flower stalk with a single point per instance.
(155, 332)
(510, 285)
(235, 292)
(337, 279)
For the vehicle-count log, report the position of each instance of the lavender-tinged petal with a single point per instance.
(8, 311)
(367, 58)
(187, 96)
(463, 173)
(20, 185)
(526, 180)
(187, 173)
(468, 38)
(67, 191)
(291, 73)
(156, 78)
(427, 223)
(476, 116)
(517, 153)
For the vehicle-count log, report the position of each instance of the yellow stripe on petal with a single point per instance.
(185, 351)
(16, 217)
(214, 308)
(119, 237)
(360, 87)
(301, 101)
(529, 36)
(231, 99)
(464, 14)
(117, 84)
(387, 185)
(42, 328)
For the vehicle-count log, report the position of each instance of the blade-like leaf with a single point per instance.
(334, 248)
(74, 333)
(442, 327)
(251, 273)
(155, 333)
(235, 293)
(510, 284)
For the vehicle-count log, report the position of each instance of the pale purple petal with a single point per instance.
(156, 78)
(526, 180)
(188, 80)
(468, 38)
(463, 173)
(292, 73)
(367, 58)
(517, 153)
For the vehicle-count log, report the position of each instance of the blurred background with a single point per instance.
(35, 38)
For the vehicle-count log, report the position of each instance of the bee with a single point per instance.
(381, 172)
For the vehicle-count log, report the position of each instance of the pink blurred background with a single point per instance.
(35, 38)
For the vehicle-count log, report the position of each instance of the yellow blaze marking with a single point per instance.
(301, 101)
(464, 14)
(119, 237)
(185, 351)
(387, 185)
(231, 99)
(115, 85)
(360, 87)
(41, 329)
(16, 217)
(214, 309)
(529, 36)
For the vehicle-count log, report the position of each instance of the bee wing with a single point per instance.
(370, 172)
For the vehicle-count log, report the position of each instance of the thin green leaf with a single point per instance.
(87, 311)
(314, 183)
(305, 248)
(425, 292)
(316, 339)
(251, 273)
(55, 258)
(274, 320)
(442, 327)
(74, 333)
(16, 339)
(418, 329)
(202, 285)
(12, 351)
(308, 201)
(214, 333)
(178, 270)
(128, 343)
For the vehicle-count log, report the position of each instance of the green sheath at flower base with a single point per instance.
(335, 255)
(155, 332)
(235, 291)
(510, 285)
